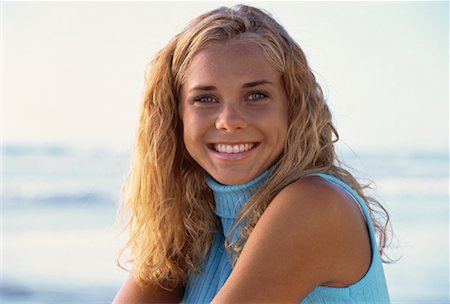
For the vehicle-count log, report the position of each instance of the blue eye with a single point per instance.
(257, 96)
(205, 99)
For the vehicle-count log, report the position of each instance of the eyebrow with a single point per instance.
(256, 83)
(244, 86)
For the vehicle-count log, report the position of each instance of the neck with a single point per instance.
(230, 199)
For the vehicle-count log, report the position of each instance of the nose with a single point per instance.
(231, 118)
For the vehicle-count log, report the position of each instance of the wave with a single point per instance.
(432, 188)
(87, 198)
(56, 150)
(62, 174)
(23, 150)
(39, 293)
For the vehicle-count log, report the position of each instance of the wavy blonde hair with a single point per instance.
(170, 209)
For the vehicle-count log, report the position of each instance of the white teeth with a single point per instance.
(233, 148)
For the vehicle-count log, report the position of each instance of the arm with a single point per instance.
(132, 293)
(311, 234)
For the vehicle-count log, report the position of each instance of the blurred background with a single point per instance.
(72, 78)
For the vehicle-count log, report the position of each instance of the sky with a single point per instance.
(73, 72)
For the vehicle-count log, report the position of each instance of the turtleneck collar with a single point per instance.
(231, 198)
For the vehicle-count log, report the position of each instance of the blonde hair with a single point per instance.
(170, 209)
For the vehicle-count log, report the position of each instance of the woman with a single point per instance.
(236, 193)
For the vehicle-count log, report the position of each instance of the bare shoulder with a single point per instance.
(317, 213)
(132, 292)
(311, 234)
(313, 197)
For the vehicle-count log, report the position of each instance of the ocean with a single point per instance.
(59, 238)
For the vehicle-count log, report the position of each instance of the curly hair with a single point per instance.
(169, 207)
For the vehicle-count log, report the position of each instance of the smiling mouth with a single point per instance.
(233, 149)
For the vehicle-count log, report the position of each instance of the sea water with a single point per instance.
(59, 238)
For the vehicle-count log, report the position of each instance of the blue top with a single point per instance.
(204, 286)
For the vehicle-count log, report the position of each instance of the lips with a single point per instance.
(233, 148)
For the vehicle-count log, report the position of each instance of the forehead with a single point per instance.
(236, 59)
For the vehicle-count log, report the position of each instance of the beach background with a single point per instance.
(72, 81)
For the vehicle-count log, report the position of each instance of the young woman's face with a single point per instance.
(234, 110)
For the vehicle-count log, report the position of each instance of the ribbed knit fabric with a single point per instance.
(203, 287)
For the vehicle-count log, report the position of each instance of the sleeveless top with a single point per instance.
(203, 287)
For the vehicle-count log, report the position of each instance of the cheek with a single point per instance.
(187, 128)
(189, 141)
(187, 136)
(283, 130)
(192, 128)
